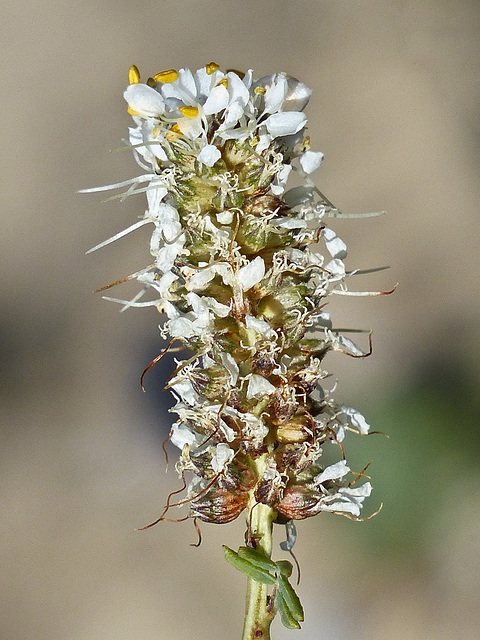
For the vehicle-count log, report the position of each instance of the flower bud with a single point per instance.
(299, 502)
(296, 429)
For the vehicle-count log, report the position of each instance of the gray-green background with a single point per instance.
(396, 87)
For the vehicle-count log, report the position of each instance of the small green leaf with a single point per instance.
(284, 567)
(288, 620)
(290, 598)
(250, 570)
(257, 558)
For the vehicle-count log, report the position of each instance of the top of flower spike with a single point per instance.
(199, 111)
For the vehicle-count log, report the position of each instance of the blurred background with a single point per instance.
(396, 88)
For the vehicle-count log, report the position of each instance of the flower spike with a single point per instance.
(241, 271)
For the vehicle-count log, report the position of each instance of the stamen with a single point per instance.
(174, 133)
(133, 75)
(132, 112)
(189, 112)
(170, 75)
(211, 67)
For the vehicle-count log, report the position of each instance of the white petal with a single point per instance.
(264, 142)
(219, 309)
(209, 155)
(184, 389)
(290, 223)
(228, 432)
(335, 246)
(357, 493)
(356, 419)
(311, 160)
(144, 99)
(336, 269)
(167, 255)
(222, 456)
(333, 472)
(280, 180)
(298, 196)
(286, 123)
(251, 274)
(186, 82)
(216, 101)
(260, 326)
(155, 195)
(181, 436)
(348, 345)
(225, 217)
(259, 386)
(343, 507)
(205, 82)
(232, 115)
(297, 96)
(190, 127)
(168, 308)
(275, 94)
(237, 90)
(181, 328)
(162, 285)
(231, 366)
(201, 278)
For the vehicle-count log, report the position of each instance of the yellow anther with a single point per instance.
(260, 91)
(170, 75)
(155, 131)
(133, 75)
(132, 112)
(211, 67)
(188, 112)
(306, 143)
(224, 82)
(174, 133)
(151, 83)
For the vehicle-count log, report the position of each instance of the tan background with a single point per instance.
(395, 110)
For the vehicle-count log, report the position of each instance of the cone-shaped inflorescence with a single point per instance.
(242, 270)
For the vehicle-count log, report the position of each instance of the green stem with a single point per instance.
(258, 615)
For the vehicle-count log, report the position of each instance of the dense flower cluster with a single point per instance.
(242, 269)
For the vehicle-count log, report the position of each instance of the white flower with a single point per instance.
(259, 386)
(311, 160)
(260, 326)
(348, 499)
(251, 274)
(222, 456)
(144, 100)
(180, 435)
(209, 155)
(285, 124)
(355, 419)
(336, 247)
(333, 472)
(231, 366)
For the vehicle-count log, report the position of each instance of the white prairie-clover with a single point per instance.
(242, 269)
